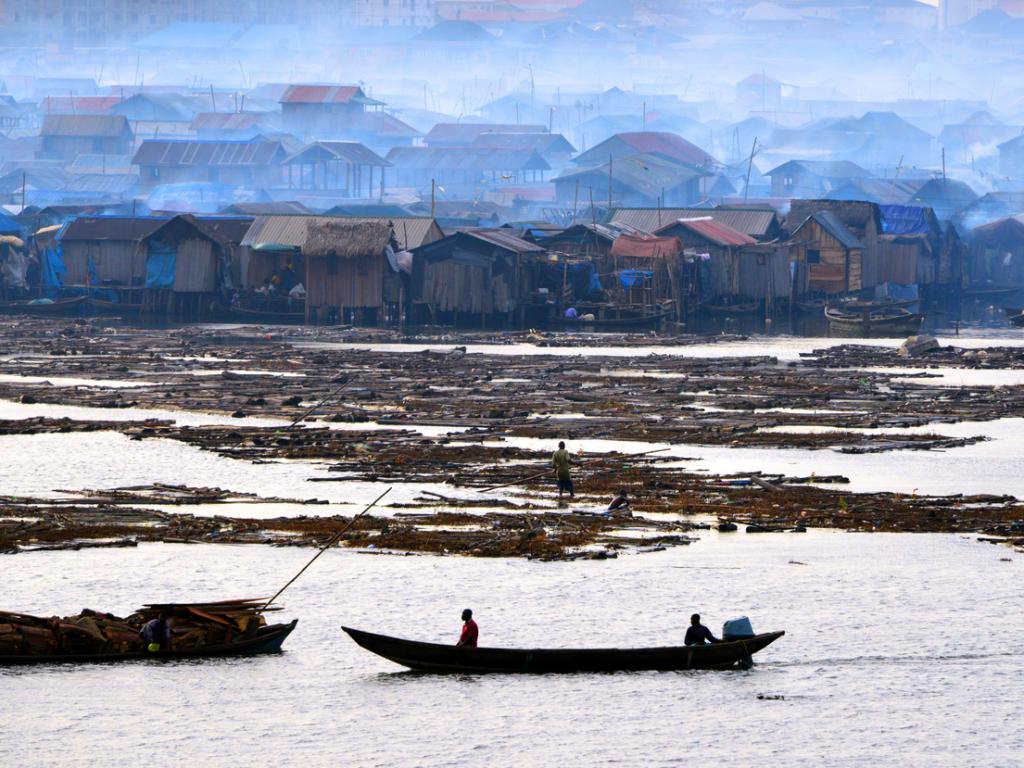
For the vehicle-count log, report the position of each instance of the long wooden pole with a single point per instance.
(323, 549)
(329, 396)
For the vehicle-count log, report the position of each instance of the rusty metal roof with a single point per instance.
(714, 232)
(165, 152)
(410, 232)
(326, 94)
(228, 121)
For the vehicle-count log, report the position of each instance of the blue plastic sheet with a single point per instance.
(53, 269)
(160, 265)
(633, 277)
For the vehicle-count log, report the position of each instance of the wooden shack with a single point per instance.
(469, 277)
(189, 265)
(827, 256)
(739, 267)
(352, 272)
(107, 252)
(997, 254)
(862, 220)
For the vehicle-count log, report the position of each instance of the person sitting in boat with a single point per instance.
(470, 631)
(698, 634)
(157, 634)
(620, 504)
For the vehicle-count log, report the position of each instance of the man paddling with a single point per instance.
(560, 460)
(470, 631)
(698, 634)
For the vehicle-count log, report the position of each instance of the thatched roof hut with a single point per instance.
(346, 239)
(347, 264)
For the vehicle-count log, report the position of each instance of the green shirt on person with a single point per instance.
(560, 460)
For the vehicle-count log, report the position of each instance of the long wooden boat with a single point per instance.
(431, 657)
(71, 305)
(639, 322)
(266, 639)
(988, 291)
(893, 321)
(266, 315)
(746, 308)
(114, 307)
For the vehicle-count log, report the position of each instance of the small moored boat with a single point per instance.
(432, 657)
(879, 322)
(70, 305)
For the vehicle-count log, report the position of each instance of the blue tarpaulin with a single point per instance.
(160, 265)
(633, 277)
(897, 292)
(53, 269)
(904, 220)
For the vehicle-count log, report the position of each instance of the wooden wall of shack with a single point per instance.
(118, 262)
(838, 269)
(346, 283)
(755, 272)
(863, 220)
(466, 275)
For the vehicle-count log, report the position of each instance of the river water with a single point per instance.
(900, 649)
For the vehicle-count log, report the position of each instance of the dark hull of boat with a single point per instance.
(431, 657)
(58, 307)
(989, 291)
(1017, 320)
(263, 316)
(267, 640)
(729, 310)
(614, 323)
(114, 307)
(872, 325)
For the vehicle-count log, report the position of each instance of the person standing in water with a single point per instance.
(560, 460)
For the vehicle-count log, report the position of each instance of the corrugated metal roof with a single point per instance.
(78, 105)
(504, 239)
(207, 153)
(410, 232)
(751, 222)
(227, 121)
(84, 125)
(466, 133)
(350, 151)
(648, 142)
(326, 94)
(835, 227)
(111, 227)
(716, 232)
(430, 158)
(537, 142)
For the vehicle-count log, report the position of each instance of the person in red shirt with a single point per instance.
(470, 631)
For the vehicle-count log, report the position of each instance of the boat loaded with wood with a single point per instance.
(432, 657)
(199, 630)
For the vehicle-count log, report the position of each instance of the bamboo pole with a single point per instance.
(323, 549)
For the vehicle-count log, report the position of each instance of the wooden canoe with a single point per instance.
(432, 657)
(895, 321)
(265, 640)
(71, 305)
(747, 308)
(114, 307)
(266, 315)
(644, 321)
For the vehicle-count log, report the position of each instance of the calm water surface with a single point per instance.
(900, 651)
